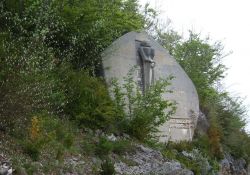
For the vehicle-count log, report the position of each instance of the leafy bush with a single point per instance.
(122, 146)
(89, 103)
(202, 61)
(180, 146)
(202, 143)
(37, 37)
(32, 149)
(105, 146)
(48, 131)
(143, 112)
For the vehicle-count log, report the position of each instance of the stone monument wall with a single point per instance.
(123, 55)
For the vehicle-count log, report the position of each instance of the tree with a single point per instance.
(42, 42)
(202, 62)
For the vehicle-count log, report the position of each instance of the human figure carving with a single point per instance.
(147, 54)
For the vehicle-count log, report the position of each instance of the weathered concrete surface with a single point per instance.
(123, 55)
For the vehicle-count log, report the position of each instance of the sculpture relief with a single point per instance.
(147, 54)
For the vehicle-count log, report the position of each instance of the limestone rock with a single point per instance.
(202, 124)
(230, 166)
(3, 171)
(5, 166)
(148, 161)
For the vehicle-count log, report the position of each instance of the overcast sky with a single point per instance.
(224, 20)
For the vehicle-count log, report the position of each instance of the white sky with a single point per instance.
(224, 20)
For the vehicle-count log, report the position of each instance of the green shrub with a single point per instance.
(88, 148)
(144, 113)
(180, 146)
(104, 147)
(30, 168)
(170, 153)
(32, 149)
(238, 144)
(202, 143)
(89, 103)
(122, 146)
(107, 167)
(54, 129)
(47, 131)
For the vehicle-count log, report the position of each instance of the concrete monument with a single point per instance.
(154, 62)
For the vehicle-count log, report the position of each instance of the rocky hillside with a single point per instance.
(109, 154)
(57, 115)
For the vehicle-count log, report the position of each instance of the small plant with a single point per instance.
(88, 147)
(122, 146)
(32, 149)
(48, 131)
(33, 144)
(107, 167)
(104, 147)
(35, 128)
(180, 146)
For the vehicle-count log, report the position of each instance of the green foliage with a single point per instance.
(169, 40)
(105, 147)
(47, 131)
(180, 146)
(76, 30)
(201, 59)
(38, 38)
(29, 83)
(32, 149)
(202, 143)
(238, 145)
(44, 47)
(107, 168)
(122, 146)
(88, 101)
(192, 155)
(88, 143)
(214, 136)
(30, 168)
(144, 112)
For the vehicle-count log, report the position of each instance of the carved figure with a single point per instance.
(147, 54)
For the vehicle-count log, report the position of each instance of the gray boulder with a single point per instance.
(231, 166)
(202, 124)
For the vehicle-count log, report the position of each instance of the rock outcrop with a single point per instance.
(5, 166)
(148, 161)
(202, 124)
(231, 166)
